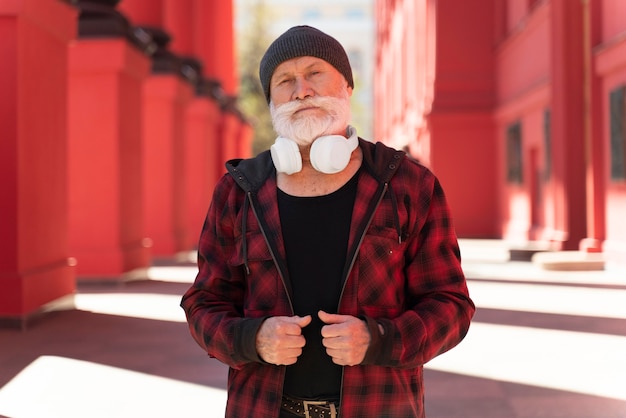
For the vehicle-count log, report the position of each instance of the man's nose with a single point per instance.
(302, 89)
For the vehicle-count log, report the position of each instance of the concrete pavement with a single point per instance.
(543, 344)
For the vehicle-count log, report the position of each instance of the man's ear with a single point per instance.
(349, 89)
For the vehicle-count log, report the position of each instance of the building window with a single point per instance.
(618, 134)
(547, 145)
(514, 153)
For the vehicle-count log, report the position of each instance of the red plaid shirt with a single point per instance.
(403, 272)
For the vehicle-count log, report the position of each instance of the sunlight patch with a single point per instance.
(174, 274)
(136, 305)
(564, 300)
(592, 364)
(52, 387)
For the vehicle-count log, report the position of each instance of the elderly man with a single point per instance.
(329, 269)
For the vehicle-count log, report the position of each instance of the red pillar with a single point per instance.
(568, 129)
(594, 141)
(213, 89)
(231, 119)
(200, 122)
(459, 122)
(166, 95)
(213, 39)
(246, 134)
(143, 12)
(34, 267)
(213, 43)
(106, 210)
(162, 118)
(177, 19)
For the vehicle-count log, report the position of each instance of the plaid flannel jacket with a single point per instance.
(403, 272)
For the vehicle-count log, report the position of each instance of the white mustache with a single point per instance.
(290, 108)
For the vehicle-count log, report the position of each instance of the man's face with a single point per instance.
(309, 98)
(301, 77)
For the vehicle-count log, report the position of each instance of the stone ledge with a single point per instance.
(569, 260)
(526, 251)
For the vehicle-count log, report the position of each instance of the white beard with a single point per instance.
(304, 130)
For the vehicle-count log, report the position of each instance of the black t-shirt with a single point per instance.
(316, 231)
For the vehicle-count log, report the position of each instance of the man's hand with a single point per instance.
(345, 337)
(280, 341)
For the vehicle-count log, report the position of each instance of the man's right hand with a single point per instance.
(280, 341)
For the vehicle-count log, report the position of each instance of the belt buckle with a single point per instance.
(333, 411)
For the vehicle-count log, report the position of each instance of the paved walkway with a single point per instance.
(543, 344)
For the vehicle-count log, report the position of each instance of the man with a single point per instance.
(329, 270)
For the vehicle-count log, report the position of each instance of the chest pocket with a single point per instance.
(262, 284)
(380, 276)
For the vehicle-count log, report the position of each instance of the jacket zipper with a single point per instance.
(358, 245)
(352, 261)
(269, 247)
(369, 221)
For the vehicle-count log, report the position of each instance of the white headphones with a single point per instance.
(329, 154)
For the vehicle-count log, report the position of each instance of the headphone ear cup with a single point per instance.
(286, 156)
(330, 154)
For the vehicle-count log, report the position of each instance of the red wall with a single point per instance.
(523, 95)
(35, 264)
(106, 139)
(434, 95)
(105, 157)
(507, 63)
(610, 66)
(463, 151)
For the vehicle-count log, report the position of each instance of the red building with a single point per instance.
(116, 119)
(518, 106)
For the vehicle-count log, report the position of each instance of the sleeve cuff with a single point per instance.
(380, 348)
(245, 339)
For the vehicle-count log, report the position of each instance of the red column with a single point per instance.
(231, 126)
(34, 267)
(568, 120)
(143, 12)
(166, 95)
(246, 134)
(213, 89)
(161, 127)
(200, 119)
(213, 39)
(199, 124)
(105, 161)
(177, 20)
(460, 121)
(594, 141)
(213, 43)
(172, 159)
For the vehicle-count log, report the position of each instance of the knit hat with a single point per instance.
(300, 41)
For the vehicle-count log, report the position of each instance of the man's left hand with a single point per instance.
(345, 337)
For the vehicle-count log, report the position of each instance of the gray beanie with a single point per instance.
(300, 41)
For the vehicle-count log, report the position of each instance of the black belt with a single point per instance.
(310, 409)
